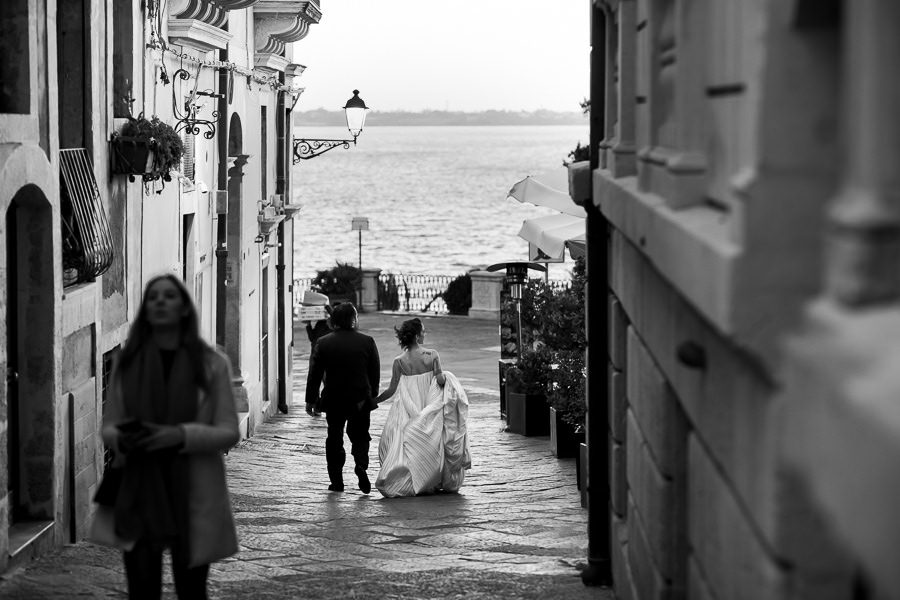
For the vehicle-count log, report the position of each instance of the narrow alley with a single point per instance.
(515, 530)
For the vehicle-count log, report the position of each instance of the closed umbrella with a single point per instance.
(544, 191)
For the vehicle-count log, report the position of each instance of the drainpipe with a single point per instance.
(221, 207)
(280, 168)
(599, 569)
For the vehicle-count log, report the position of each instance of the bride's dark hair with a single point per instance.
(408, 331)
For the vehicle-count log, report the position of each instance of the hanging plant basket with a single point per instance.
(132, 155)
(146, 147)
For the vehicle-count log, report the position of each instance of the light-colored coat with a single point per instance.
(212, 532)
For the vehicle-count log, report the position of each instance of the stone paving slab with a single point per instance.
(516, 529)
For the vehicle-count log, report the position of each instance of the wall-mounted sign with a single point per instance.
(535, 254)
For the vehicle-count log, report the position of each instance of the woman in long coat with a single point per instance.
(168, 418)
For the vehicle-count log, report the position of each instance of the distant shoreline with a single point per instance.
(439, 117)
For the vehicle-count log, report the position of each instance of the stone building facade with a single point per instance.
(80, 241)
(744, 157)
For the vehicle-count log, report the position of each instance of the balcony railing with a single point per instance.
(87, 245)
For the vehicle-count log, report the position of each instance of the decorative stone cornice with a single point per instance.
(211, 12)
(197, 34)
(278, 22)
(205, 11)
(270, 63)
(235, 4)
(294, 70)
(292, 74)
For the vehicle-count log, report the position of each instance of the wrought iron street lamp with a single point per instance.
(355, 111)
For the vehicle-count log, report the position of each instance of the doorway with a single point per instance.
(30, 368)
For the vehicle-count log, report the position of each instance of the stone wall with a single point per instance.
(703, 503)
(752, 306)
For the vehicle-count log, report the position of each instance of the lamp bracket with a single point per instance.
(304, 149)
(187, 118)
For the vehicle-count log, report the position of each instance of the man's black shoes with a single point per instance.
(364, 486)
(336, 487)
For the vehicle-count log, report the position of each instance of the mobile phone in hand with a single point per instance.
(132, 426)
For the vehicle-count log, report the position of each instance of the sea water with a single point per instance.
(435, 196)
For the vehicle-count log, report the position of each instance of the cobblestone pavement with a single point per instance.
(515, 530)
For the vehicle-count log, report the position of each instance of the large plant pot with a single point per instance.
(502, 366)
(526, 414)
(563, 439)
(131, 156)
(580, 182)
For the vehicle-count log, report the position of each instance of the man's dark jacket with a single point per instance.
(349, 362)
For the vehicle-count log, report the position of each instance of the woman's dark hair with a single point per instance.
(343, 315)
(141, 330)
(408, 331)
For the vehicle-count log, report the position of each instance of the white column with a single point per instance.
(486, 295)
(369, 300)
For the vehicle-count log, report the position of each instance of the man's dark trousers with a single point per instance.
(357, 425)
(347, 362)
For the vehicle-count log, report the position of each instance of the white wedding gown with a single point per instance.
(424, 446)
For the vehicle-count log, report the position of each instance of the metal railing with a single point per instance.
(408, 292)
(402, 292)
(413, 292)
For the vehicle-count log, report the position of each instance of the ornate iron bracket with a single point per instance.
(305, 149)
(188, 120)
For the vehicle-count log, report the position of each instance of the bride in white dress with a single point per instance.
(424, 447)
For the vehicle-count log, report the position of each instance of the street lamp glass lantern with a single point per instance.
(355, 110)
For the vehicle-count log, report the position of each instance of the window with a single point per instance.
(123, 68)
(73, 73)
(15, 77)
(263, 153)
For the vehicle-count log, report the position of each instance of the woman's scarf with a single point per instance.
(153, 501)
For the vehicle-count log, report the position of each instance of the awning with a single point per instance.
(553, 233)
(547, 190)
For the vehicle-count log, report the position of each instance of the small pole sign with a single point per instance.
(359, 224)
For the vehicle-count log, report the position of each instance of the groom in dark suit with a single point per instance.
(348, 361)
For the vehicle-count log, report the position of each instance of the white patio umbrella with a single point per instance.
(552, 234)
(547, 190)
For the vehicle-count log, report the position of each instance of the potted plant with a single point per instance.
(562, 329)
(579, 167)
(339, 283)
(146, 147)
(527, 384)
(568, 407)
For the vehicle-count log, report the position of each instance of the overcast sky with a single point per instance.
(443, 55)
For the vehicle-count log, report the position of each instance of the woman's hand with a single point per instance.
(161, 437)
